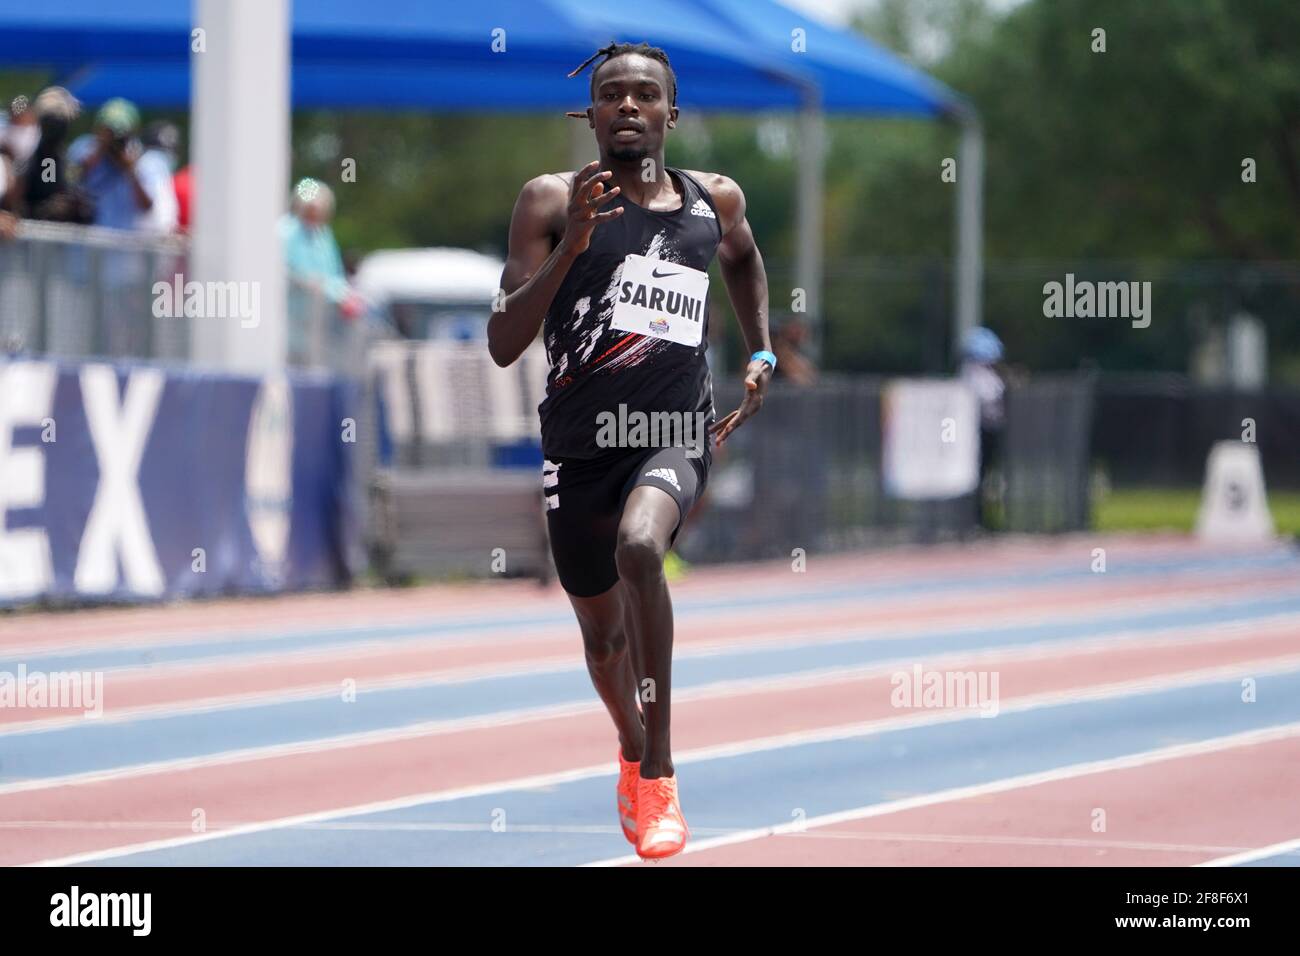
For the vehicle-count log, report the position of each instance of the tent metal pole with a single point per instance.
(968, 288)
(810, 188)
(240, 109)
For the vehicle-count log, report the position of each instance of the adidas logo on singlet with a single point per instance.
(701, 208)
(664, 474)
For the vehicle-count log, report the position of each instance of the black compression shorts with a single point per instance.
(584, 504)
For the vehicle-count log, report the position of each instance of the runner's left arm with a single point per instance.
(746, 281)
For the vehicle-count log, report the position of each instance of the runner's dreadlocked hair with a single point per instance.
(619, 49)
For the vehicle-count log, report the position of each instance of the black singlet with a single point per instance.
(595, 368)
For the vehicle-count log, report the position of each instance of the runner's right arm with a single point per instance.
(534, 270)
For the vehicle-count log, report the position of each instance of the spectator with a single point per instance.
(125, 181)
(315, 267)
(163, 139)
(981, 352)
(8, 184)
(45, 189)
(8, 181)
(787, 345)
(6, 161)
(13, 130)
(310, 251)
(183, 185)
(18, 139)
(132, 191)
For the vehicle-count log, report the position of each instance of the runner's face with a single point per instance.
(632, 112)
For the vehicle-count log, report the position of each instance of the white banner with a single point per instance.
(930, 431)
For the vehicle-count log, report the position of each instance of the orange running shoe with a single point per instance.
(661, 828)
(628, 775)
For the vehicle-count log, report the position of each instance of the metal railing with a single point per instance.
(70, 291)
(322, 336)
(79, 291)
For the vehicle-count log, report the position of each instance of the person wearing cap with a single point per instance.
(124, 181)
(45, 189)
(18, 136)
(39, 186)
(17, 142)
(981, 351)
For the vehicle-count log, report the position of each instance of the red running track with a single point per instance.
(1173, 812)
(238, 790)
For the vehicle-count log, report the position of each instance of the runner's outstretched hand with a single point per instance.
(756, 379)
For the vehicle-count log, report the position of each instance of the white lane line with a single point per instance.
(1269, 581)
(1108, 765)
(738, 748)
(479, 826)
(497, 719)
(984, 839)
(1289, 847)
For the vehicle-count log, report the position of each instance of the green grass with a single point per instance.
(1152, 509)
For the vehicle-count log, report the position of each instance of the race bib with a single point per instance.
(664, 300)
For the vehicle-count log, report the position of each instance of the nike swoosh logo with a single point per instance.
(663, 275)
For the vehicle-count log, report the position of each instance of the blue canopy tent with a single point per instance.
(397, 53)
(730, 55)
(853, 74)
(856, 76)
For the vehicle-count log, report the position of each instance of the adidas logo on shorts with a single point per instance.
(664, 474)
(701, 208)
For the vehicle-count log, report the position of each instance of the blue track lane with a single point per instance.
(89, 746)
(813, 778)
(1282, 859)
(268, 642)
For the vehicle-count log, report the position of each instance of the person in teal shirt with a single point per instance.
(318, 286)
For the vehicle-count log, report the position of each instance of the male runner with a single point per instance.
(611, 263)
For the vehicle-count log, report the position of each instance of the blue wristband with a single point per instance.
(767, 357)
